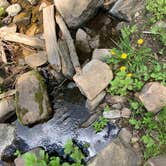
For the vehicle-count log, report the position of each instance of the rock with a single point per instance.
(33, 2)
(134, 139)
(94, 78)
(157, 161)
(125, 112)
(125, 135)
(92, 104)
(2, 163)
(117, 154)
(82, 41)
(153, 96)
(7, 135)
(112, 114)
(7, 108)
(22, 18)
(4, 3)
(117, 106)
(101, 54)
(71, 85)
(77, 12)
(126, 9)
(19, 161)
(36, 59)
(32, 103)
(14, 9)
(115, 99)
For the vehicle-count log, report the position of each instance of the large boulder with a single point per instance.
(77, 12)
(32, 103)
(7, 136)
(94, 78)
(117, 154)
(153, 96)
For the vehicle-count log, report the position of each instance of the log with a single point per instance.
(70, 43)
(52, 48)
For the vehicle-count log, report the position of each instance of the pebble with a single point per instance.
(117, 106)
(126, 112)
(14, 9)
(112, 114)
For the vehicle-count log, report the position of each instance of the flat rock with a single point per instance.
(36, 59)
(153, 96)
(7, 108)
(14, 9)
(92, 104)
(32, 103)
(112, 114)
(125, 135)
(94, 78)
(75, 12)
(157, 161)
(101, 54)
(7, 136)
(117, 154)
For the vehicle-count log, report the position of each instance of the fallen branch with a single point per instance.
(52, 48)
(70, 43)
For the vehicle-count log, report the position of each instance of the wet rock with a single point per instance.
(77, 12)
(125, 112)
(22, 18)
(117, 154)
(117, 106)
(126, 9)
(7, 135)
(32, 102)
(14, 9)
(157, 161)
(82, 41)
(7, 108)
(153, 96)
(92, 104)
(115, 99)
(125, 135)
(112, 114)
(94, 78)
(4, 3)
(36, 59)
(101, 54)
(33, 2)
(19, 161)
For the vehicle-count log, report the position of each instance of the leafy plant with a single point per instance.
(44, 159)
(152, 128)
(157, 8)
(100, 124)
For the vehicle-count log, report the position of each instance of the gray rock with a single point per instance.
(14, 9)
(157, 161)
(94, 78)
(19, 161)
(125, 112)
(117, 154)
(82, 42)
(153, 96)
(126, 9)
(7, 108)
(115, 99)
(101, 54)
(117, 106)
(37, 59)
(92, 104)
(112, 114)
(125, 135)
(77, 12)
(32, 103)
(7, 136)
(4, 3)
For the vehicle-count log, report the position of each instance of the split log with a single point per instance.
(70, 43)
(23, 39)
(52, 48)
(67, 66)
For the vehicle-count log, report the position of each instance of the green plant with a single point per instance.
(157, 9)
(44, 159)
(100, 124)
(2, 11)
(152, 128)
